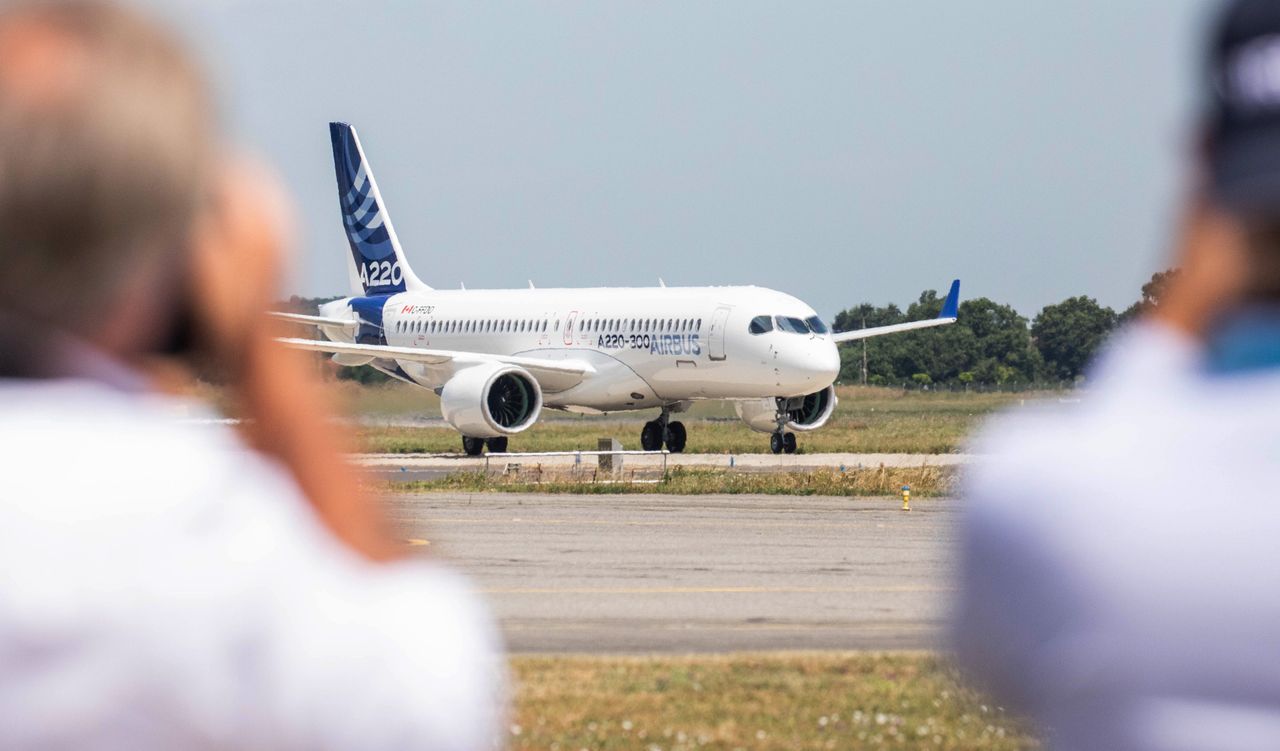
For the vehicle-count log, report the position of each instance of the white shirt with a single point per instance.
(161, 586)
(1121, 557)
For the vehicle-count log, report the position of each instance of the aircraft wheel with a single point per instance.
(651, 436)
(789, 443)
(497, 445)
(472, 446)
(676, 437)
(775, 443)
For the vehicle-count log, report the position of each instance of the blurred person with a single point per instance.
(1120, 557)
(169, 582)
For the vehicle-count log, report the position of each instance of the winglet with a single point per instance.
(951, 308)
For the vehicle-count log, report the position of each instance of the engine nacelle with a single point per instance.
(808, 412)
(488, 401)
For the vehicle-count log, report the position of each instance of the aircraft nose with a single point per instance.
(826, 363)
(817, 365)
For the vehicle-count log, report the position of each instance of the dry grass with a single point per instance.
(746, 701)
(924, 481)
(867, 420)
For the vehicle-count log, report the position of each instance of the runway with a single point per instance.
(652, 573)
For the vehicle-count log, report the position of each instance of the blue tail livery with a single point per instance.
(379, 266)
(951, 306)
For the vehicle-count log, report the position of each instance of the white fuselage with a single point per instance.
(649, 346)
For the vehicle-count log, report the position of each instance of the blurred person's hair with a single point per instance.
(1262, 243)
(106, 145)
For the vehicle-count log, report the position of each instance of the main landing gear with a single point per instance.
(476, 446)
(663, 431)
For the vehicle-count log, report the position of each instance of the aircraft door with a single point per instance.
(568, 328)
(715, 335)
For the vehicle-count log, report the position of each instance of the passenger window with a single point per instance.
(699, 326)
(792, 325)
(761, 325)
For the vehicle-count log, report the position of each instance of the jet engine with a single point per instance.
(808, 412)
(488, 401)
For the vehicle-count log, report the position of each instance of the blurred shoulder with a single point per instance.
(82, 444)
(1141, 379)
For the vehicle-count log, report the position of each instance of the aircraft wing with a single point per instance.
(948, 315)
(553, 375)
(346, 323)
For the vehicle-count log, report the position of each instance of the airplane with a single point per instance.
(497, 358)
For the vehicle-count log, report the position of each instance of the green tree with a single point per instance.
(989, 340)
(1152, 293)
(1004, 351)
(879, 351)
(1069, 333)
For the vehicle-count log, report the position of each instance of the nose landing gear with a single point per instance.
(664, 431)
(781, 440)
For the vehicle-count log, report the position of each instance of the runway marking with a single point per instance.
(707, 590)
(417, 542)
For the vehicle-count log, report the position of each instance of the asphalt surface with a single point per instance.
(660, 573)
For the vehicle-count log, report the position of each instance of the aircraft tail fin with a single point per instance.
(378, 265)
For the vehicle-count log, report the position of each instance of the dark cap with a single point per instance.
(1244, 107)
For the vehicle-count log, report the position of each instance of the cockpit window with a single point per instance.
(761, 325)
(816, 325)
(792, 325)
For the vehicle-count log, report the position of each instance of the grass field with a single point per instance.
(924, 481)
(770, 701)
(867, 420)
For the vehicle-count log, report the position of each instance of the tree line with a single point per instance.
(990, 345)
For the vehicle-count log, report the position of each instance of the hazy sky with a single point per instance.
(841, 152)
